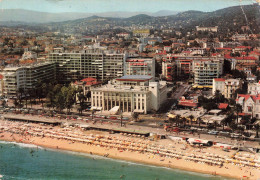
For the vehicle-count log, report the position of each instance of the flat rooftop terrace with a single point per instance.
(32, 119)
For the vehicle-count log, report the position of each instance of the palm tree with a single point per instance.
(257, 130)
(184, 121)
(20, 94)
(82, 98)
(44, 92)
(177, 119)
(199, 120)
(31, 94)
(92, 113)
(238, 109)
(135, 116)
(26, 97)
(215, 125)
(172, 120)
(233, 126)
(191, 118)
(16, 103)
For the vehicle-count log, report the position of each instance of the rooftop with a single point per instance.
(140, 78)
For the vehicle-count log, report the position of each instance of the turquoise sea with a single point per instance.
(23, 161)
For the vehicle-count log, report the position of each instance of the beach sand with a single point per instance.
(227, 169)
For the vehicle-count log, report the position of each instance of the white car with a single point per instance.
(213, 132)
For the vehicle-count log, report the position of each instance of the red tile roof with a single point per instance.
(90, 81)
(246, 58)
(227, 56)
(222, 105)
(188, 103)
(219, 79)
(249, 47)
(244, 114)
(246, 96)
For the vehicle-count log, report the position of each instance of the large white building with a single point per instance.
(227, 87)
(140, 66)
(130, 94)
(26, 77)
(205, 71)
(96, 63)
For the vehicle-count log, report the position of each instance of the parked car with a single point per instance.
(224, 133)
(213, 132)
(235, 135)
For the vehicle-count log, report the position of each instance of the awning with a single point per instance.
(171, 115)
(114, 110)
(93, 108)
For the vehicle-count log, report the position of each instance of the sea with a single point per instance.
(20, 161)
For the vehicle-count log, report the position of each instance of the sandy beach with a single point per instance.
(167, 153)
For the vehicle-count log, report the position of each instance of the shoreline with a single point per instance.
(126, 160)
(113, 146)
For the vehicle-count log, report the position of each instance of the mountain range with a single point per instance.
(227, 19)
(27, 16)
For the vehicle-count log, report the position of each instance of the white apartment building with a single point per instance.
(227, 87)
(231, 85)
(132, 93)
(205, 71)
(26, 77)
(140, 66)
(218, 84)
(254, 88)
(168, 69)
(96, 63)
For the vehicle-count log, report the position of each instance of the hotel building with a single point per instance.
(26, 77)
(96, 63)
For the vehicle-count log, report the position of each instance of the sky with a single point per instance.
(94, 6)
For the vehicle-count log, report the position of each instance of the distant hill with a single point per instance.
(27, 16)
(227, 19)
(231, 18)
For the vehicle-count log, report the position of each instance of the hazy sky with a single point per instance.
(119, 5)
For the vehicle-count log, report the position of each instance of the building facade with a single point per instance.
(205, 71)
(26, 77)
(254, 88)
(227, 87)
(95, 63)
(130, 94)
(140, 66)
(250, 104)
(168, 69)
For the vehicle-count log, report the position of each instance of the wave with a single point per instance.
(21, 144)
